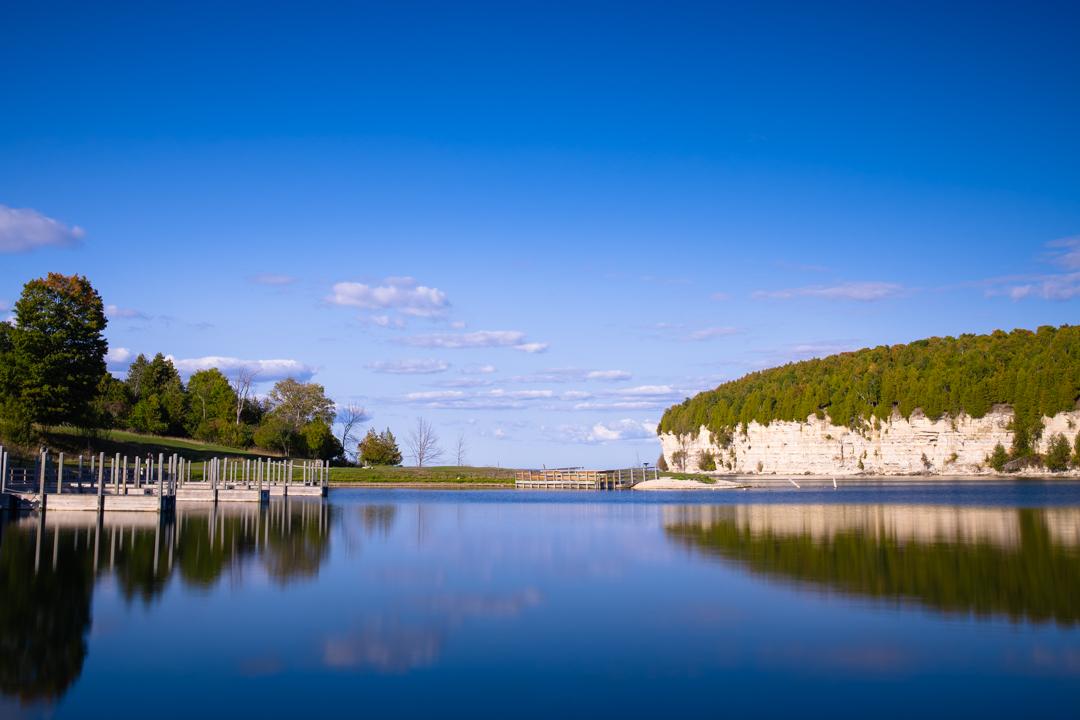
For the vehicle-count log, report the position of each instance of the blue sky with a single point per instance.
(539, 224)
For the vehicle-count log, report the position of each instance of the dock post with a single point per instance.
(161, 480)
(44, 461)
(3, 470)
(100, 493)
(60, 475)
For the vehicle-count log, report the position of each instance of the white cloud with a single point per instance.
(409, 367)
(23, 229)
(118, 358)
(386, 321)
(647, 390)
(429, 395)
(562, 375)
(401, 294)
(272, 279)
(1065, 286)
(120, 313)
(265, 370)
(479, 339)
(711, 333)
(601, 433)
(4, 306)
(478, 370)
(867, 291)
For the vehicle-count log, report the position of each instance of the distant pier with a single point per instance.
(581, 479)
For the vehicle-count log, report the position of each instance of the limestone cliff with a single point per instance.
(897, 446)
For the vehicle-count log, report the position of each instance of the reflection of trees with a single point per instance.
(45, 603)
(301, 542)
(44, 615)
(1034, 576)
(378, 518)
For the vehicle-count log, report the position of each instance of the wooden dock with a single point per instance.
(154, 485)
(581, 479)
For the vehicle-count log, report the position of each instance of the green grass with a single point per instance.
(700, 477)
(74, 442)
(445, 474)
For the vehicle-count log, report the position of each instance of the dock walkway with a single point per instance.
(581, 479)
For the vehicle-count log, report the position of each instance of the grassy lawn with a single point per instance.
(445, 474)
(700, 477)
(73, 442)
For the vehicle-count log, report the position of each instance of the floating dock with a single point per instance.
(154, 485)
(581, 479)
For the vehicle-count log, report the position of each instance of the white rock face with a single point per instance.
(898, 446)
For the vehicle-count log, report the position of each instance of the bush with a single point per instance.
(998, 458)
(678, 459)
(1057, 455)
(1076, 451)
(706, 461)
(661, 463)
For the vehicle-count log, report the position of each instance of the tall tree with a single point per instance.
(423, 443)
(379, 448)
(157, 396)
(54, 354)
(210, 406)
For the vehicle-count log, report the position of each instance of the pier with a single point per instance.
(581, 479)
(119, 484)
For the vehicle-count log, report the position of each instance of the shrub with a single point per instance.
(706, 461)
(1057, 454)
(998, 458)
(1076, 451)
(661, 464)
(678, 459)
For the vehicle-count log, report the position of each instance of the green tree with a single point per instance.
(379, 449)
(1057, 454)
(157, 396)
(1076, 451)
(293, 405)
(998, 458)
(211, 407)
(53, 355)
(319, 441)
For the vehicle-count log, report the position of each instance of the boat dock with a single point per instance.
(154, 485)
(581, 479)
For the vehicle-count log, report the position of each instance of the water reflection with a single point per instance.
(1019, 563)
(49, 564)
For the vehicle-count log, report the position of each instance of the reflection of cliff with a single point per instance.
(48, 565)
(1024, 564)
(44, 615)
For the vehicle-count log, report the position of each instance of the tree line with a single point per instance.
(53, 372)
(1036, 373)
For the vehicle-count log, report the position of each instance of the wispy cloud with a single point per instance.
(400, 294)
(565, 375)
(1064, 253)
(478, 339)
(265, 370)
(119, 313)
(486, 369)
(868, 291)
(272, 279)
(409, 367)
(23, 229)
(679, 332)
(711, 333)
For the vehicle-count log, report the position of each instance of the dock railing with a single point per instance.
(581, 479)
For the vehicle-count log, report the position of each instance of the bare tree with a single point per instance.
(462, 449)
(423, 443)
(245, 378)
(350, 416)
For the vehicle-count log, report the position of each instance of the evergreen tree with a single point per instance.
(53, 356)
(379, 449)
(998, 459)
(1057, 454)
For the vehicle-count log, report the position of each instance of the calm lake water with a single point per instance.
(959, 599)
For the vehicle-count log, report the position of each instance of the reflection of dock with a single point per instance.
(580, 479)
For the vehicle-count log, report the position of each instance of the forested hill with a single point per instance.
(1037, 373)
